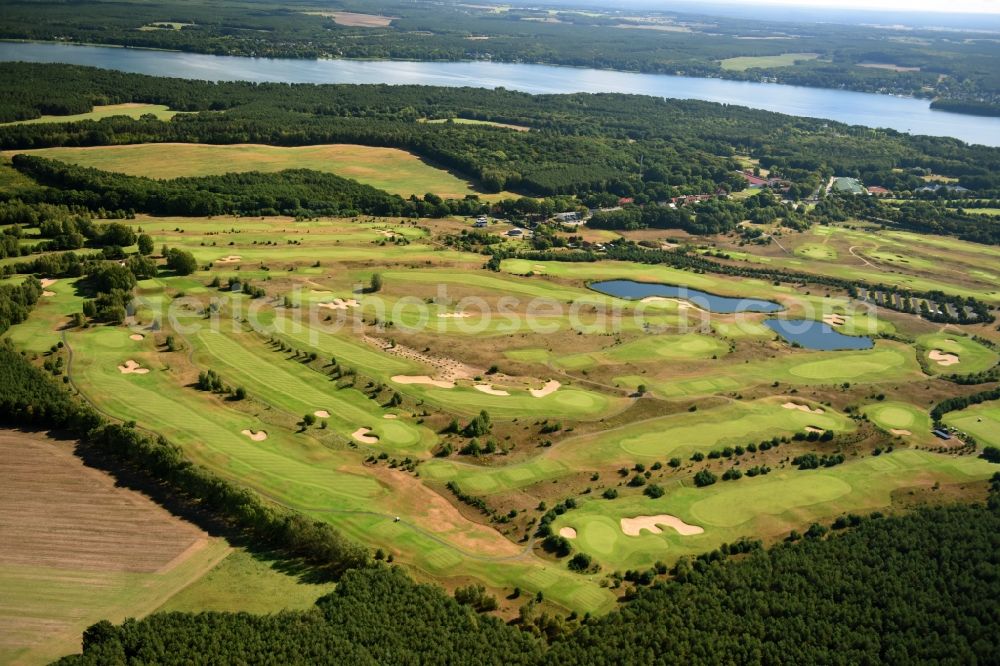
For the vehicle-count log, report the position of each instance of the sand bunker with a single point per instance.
(567, 532)
(363, 436)
(834, 320)
(322, 413)
(258, 436)
(634, 526)
(231, 259)
(136, 336)
(900, 431)
(550, 387)
(48, 282)
(455, 315)
(802, 408)
(943, 358)
(130, 367)
(46, 292)
(422, 379)
(390, 416)
(339, 304)
(814, 429)
(489, 390)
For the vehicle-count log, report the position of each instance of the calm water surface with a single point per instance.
(903, 114)
(817, 335)
(634, 291)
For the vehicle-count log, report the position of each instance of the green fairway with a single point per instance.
(41, 330)
(395, 171)
(289, 385)
(981, 421)
(566, 402)
(743, 63)
(887, 362)
(768, 506)
(739, 423)
(971, 356)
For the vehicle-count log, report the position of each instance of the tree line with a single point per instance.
(629, 145)
(937, 64)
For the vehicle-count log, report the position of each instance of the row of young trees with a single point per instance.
(29, 398)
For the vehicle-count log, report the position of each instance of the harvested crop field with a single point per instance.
(78, 549)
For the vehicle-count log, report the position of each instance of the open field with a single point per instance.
(395, 171)
(743, 63)
(132, 110)
(78, 549)
(246, 582)
(473, 121)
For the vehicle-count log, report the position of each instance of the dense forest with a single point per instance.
(628, 145)
(928, 62)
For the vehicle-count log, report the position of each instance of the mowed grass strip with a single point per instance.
(289, 385)
(390, 169)
(283, 466)
(766, 507)
(981, 421)
(972, 356)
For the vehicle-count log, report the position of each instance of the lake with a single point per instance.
(635, 291)
(817, 335)
(899, 113)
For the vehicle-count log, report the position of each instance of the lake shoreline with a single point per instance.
(870, 110)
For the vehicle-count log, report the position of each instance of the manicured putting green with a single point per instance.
(898, 416)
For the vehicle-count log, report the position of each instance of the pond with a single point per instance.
(900, 113)
(817, 335)
(635, 291)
